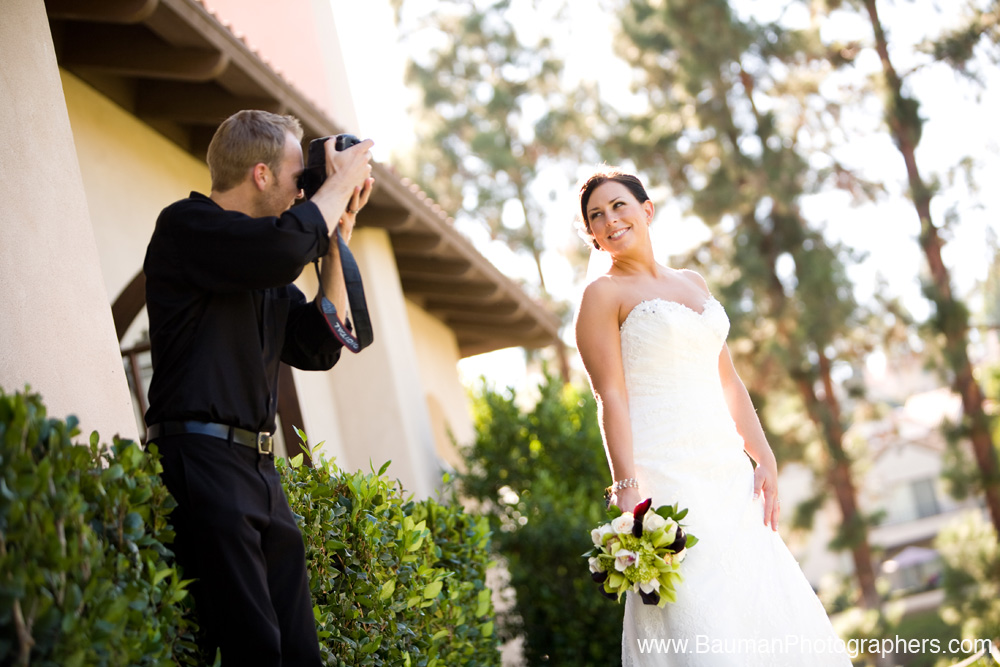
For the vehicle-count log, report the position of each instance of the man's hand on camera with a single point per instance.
(350, 216)
(347, 171)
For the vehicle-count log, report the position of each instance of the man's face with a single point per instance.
(284, 189)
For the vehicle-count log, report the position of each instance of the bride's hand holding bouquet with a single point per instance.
(624, 498)
(640, 550)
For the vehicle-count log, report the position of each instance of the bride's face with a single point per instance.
(616, 218)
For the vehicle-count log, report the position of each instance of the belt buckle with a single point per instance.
(265, 443)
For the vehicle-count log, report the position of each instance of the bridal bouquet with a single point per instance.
(640, 550)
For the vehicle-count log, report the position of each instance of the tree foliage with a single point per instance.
(739, 94)
(971, 579)
(485, 89)
(950, 317)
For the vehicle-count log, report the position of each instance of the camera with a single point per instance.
(314, 174)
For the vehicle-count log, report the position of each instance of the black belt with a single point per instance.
(263, 442)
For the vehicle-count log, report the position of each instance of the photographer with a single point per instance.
(222, 315)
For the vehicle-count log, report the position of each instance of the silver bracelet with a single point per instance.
(627, 483)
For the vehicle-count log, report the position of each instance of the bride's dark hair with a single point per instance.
(600, 177)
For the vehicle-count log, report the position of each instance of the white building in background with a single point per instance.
(108, 108)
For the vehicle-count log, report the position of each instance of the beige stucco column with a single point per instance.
(379, 394)
(56, 331)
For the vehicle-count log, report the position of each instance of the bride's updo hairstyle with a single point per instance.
(598, 178)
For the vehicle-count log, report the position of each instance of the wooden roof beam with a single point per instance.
(415, 243)
(460, 288)
(497, 309)
(102, 11)
(384, 217)
(523, 330)
(433, 266)
(125, 51)
(459, 314)
(172, 100)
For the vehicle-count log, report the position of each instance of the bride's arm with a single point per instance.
(599, 344)
(754, 441)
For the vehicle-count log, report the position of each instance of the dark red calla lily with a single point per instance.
(639, 512)
(650, 598)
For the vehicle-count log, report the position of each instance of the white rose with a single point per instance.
(652, 522)
(623, 524)
(680, 556)
(598, 534)
(595, 565)
(624, 559)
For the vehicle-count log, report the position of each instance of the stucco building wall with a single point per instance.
(56, 329)
(130, 172)
(447, 402)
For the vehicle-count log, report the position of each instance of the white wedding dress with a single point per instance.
(744, 601)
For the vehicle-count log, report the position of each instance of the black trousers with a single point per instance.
(237, 538)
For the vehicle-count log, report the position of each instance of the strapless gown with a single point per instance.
(744, 600)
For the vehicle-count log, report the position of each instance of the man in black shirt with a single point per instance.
(222, 316)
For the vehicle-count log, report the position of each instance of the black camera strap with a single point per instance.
(356, 300)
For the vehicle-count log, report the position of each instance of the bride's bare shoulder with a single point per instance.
(601, 301)
(694, 277)
(601, 292)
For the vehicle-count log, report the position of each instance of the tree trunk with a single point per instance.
(952, 317)
(825, 413)
(562, 354)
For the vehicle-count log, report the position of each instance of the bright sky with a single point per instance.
(960, 121)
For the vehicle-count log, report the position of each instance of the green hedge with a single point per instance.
(394, 581)
(86, 578)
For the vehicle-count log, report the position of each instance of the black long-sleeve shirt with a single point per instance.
(222, 311)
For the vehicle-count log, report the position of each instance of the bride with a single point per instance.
(678, 426)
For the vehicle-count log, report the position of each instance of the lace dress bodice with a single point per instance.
(740, 582)
(682, 431)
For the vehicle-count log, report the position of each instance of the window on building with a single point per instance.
(138, 362)
(925, 497)
(912, 500)
(139, 370)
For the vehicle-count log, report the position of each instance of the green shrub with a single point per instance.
(394, 581)
(85, 578)
(539, 475)
(971, 577)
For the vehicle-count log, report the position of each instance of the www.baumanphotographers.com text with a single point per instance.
(791, 644)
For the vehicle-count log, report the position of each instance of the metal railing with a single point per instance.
(993, 652)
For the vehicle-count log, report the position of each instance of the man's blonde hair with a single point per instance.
(243, 140)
